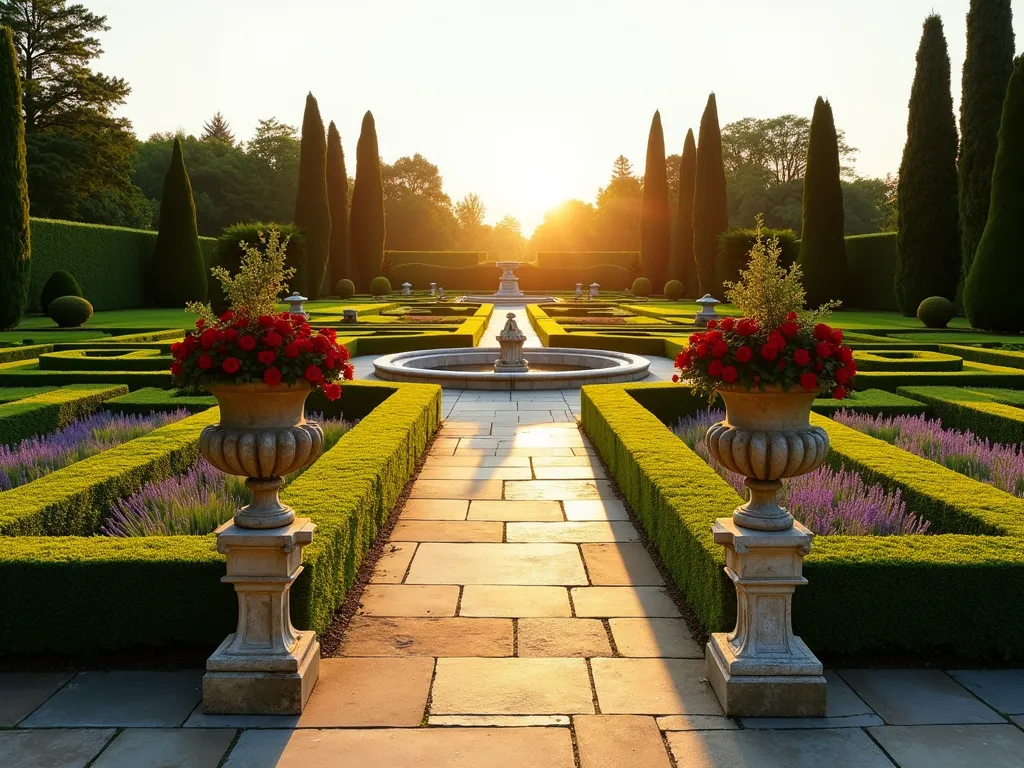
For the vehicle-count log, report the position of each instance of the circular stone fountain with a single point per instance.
(506, 368)
(508, 289)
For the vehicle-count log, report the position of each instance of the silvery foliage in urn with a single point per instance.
(262, 436)
(766, 437)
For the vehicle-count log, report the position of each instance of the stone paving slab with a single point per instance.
(23, 692)
(594, 509)
(615, 602)
(393, 563)
(697, 723)
(952, 746)
(167, 748)
(559, 490)
(614, 741)
(124, 699)
(516, 511)
(405, 748)
(455, 489)
(514, 601)
(52, 747)
(525, 564)
(589, 532)
(654, 638)
(408, 600)
(917, 697)
(476, 461)
(535, 686)
(562, 638)
(434, 509)
(499, 721)
(653, 687)
(568, 473)
(360, 692)
(475, 473)
(441, 530)
(848, 748)
(379, 636)
(621, 564)
(1001, 689)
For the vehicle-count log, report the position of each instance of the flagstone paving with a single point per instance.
(514, 620)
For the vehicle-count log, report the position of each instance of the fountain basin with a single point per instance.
(550, 368)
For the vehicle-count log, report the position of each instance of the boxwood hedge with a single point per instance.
(43, 412)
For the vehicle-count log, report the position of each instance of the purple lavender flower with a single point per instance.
(828, 502)
(37, 456)
(962, 451)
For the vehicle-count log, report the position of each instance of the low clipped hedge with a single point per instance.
(985, 412)
(439, 258)
(872, 264)
(105, 360)
(149, 399)
(484, 277)
(81, 594)
(1007, 358)
(587, 259)
(553, 334)
(906, 360)
(27, 373)
(877, 402)
(952, 592)
(971, 375)
(43, 412)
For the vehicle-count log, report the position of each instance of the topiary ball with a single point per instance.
(69, 311)
(61, 283)
(674, 290)
(345, 288)
(642, 287)
(380, 286)
(936, 311)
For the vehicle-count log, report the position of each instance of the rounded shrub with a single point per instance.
(380, 286)
(674, 290)
(641, 287)
(936, 311)
(345, 288)
(69, 311)
(61, 283)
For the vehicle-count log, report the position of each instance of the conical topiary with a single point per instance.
(710, 207)
(366, 220)
(312, 210)
(60, 283)
(822, 245)
(655, 214)
(992, 293)
(928, 235)
(987, 68)
(15, 245)
(178, 273)
(682, 266)
(337, 195)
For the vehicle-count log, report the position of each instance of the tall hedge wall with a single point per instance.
(587, 259)
(441, 258)
(108, 262)
(872, 263)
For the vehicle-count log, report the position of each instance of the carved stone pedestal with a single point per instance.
(761, 669)
(266, 667)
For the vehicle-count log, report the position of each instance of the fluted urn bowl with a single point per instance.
(262, 436)
(766, 437)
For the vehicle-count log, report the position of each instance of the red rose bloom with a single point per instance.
(837, 336)
(777, 339)
(851, 367)
(283, 327)
(266, 321)
(272, 376)
(801, 357)
(842, 376)
(729, 374)
(200, 323)
(728, 324)
(272, 339)
(696, 338)
(675, 378)
(719, 349)
(789, 329)
(824, 349)
(208, 338)
(712, 324)
(332, 391)
(247, 343)
(313, 374)
(230, 335)
(291, 350)
(305, 345)
(176, 368)
(227, 317)
(321, 344)
(746, 327)
(715, 368)
(743, 354)
(792, 317)
(205, 362)
(822, 332)
(769, 351)
(839, 393)
(713, 336)
(845, 354)
(703, 350)
(808, 380)
(179, 350)
(266, 356)
(231, 365)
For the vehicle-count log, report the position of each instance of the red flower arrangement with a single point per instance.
(272, 349)
(776, 344)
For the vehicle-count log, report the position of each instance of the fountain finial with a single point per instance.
(510, 340)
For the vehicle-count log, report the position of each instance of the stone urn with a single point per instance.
(262, 436)
(766, 437)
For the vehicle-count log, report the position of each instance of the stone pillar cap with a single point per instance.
(287, 537)
(728, 534)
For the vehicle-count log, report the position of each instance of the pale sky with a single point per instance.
(528, 102)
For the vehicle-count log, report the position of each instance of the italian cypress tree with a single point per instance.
(312, 211)
(366, 222)
(337, 196)
(710, 207)
(15, 245)
(928, 234)
(178, 274)
(992, 297)
(822, 245)
(682, 267)
(987, 68)
(655, 214)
